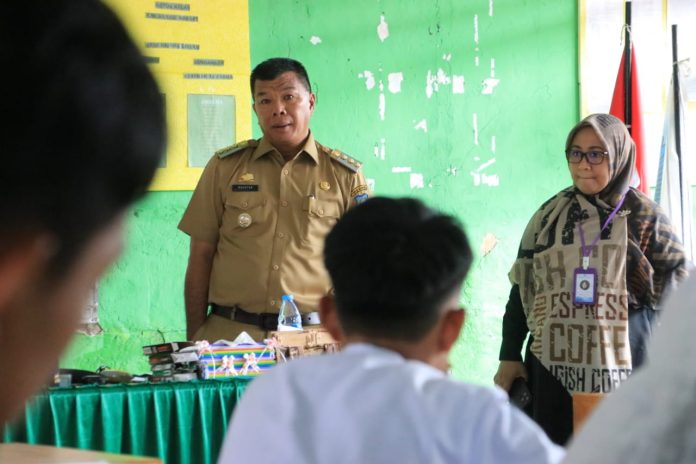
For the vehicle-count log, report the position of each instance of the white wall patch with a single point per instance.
(447, 56)
(485, 179)
(493, 143)
(430, 85)
(422, 125)
(399, 169)
(457, 84)
(475, 124)
(489, 85)
(371, 184)
(416, 181)
(434, 81)
(379, 149)
(490, 7)
(442, 77)
(382, 101)
(315, 40)
(382, 29)
(369, 79)
(491, 181)
(395, 81)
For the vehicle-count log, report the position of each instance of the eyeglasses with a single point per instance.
(592, 157)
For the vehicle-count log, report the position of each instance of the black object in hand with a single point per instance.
(519, 393)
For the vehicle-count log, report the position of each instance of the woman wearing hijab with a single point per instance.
(593, 265)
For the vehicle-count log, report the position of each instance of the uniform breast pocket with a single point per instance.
(245, 216)
(319, 216)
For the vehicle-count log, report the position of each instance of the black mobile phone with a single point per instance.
(519, 393)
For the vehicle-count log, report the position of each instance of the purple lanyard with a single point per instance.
(587, 250)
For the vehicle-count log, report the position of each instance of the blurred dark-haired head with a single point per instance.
(85, 128)
(83, 134)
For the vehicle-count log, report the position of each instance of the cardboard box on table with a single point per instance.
(298, 343)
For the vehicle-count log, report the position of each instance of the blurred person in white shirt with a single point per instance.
(652, 418)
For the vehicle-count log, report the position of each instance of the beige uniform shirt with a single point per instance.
(269, 218)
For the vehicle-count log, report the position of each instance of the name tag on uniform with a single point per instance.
(585, 286)
(245, 187)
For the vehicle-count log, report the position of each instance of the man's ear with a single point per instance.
(19, 266)
(329, 317)
(451, 327)
(312, 101)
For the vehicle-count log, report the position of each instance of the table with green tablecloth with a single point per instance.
(177, 422)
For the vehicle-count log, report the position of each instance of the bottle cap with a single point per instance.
(287, 298)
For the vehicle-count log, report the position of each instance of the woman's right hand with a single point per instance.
(507, 372)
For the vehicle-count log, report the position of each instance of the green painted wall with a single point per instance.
(516, 144)
(141, 297)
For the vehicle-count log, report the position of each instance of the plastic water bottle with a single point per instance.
(289, 317)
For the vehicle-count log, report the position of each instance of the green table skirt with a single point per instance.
(177, 422)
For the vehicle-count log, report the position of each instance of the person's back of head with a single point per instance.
(393, 263)
(84, 134)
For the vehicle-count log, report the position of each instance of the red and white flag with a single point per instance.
(636, 126)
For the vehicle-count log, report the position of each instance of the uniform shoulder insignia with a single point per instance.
(237, 147)
(342, 158)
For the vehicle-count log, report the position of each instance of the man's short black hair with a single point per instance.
(274, 67)
(393, 262)
(85, 129)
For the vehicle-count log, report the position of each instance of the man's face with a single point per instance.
(40, 318)
(283, 107)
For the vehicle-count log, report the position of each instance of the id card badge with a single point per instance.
(585, 286)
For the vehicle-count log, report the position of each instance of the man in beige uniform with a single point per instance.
(260, 212)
